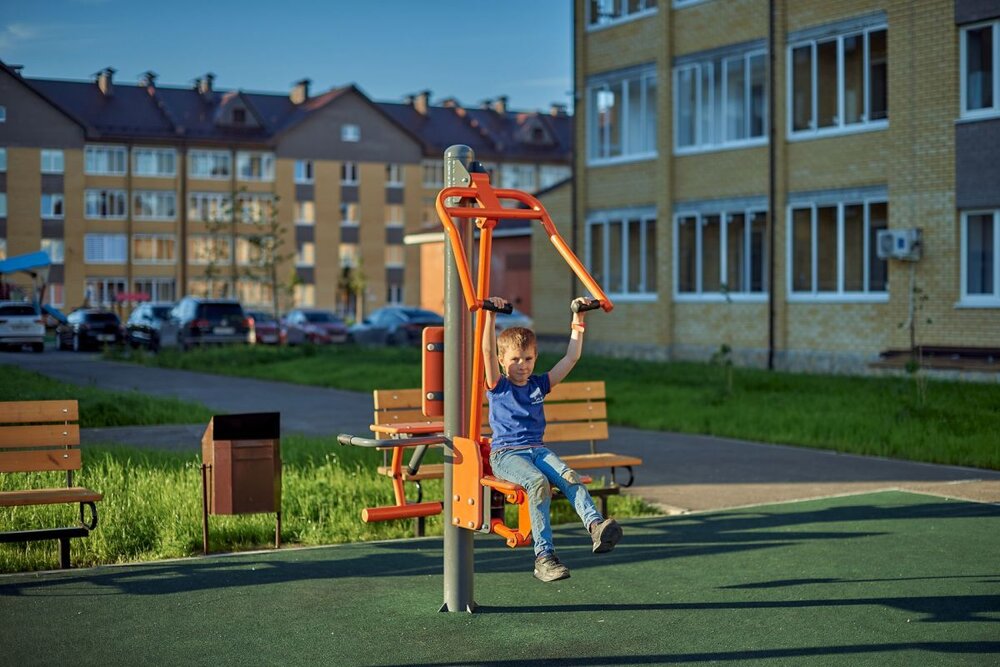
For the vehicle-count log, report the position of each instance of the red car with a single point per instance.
(264, 328)
(313, 325)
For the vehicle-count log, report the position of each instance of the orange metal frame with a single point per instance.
(482, 202)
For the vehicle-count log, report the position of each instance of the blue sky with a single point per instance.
(469, 49)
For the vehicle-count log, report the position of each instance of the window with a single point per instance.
(158, 289)
(433, 173)
(980, 58)
(350, 214)
(208, 249)
(305, 295)
(54, 295)
(839, 83)
(103, 291)
(350, 132)
(394, 215)
(305, 212)
(105, 204)
(104, 160)
(832, 249)
(349, 173)
(303, 171)
(518, 177)
(250, 254)
(349, 255)
(621, 114)
(239, 116)
(104, 249)
(154, 205)
(720, 252)
(394, 255)
(254, 292)
(255, 208)
(52, 162)
(211, 165)
(52, 206)
(154, 162)
(306, 254)
(3, 205)
(394, 175)
(609, 12)
(980, 250)
(56, 249)
(721, 101)
(550, 174)
(621, 252)
(3, 160)
(209, 207)
(3, 114)
(154, 249)
(215, 287)
(254, 166)
(394, 293)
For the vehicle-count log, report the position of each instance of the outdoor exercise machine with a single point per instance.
(470, 490)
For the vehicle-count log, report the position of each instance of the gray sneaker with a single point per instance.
(548, 568)
(605, 536)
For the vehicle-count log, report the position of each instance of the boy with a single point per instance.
(518, 423)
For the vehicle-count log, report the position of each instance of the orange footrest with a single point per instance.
(409, 511)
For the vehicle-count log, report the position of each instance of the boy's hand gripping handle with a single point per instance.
(506, 310)
(578, 307)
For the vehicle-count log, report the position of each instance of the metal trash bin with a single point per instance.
(241, 468)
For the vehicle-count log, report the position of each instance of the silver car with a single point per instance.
(20, 325)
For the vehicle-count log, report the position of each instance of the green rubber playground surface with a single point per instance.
(879, 579)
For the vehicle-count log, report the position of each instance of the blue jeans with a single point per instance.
(534, 469)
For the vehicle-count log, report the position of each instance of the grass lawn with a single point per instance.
(98, 407)
(152, 506)
(947, 422)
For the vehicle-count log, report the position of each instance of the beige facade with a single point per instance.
(840, 171)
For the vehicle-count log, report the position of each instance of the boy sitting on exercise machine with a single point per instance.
(518, 423)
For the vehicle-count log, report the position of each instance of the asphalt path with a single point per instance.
(681, 472)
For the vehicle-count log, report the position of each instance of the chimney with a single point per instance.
(500, 104)
(486, 104)
(422, 102)
(300, 91)
(148, 79)
(557, 109)
(204, 84)
(104, 81)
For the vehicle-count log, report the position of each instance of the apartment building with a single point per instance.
(143, 191)
(738, 159)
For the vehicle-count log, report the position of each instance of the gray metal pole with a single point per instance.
(459, 560)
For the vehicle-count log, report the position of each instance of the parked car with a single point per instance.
(150, 326)
(204, 321)
(89, 328)
(20, 325)
(264, 328)
(394, 325)
(513, 319)
(312, 325)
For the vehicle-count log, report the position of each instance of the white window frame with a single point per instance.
(155, 291)
(647, 218)
(198, 200)
(160, 199)
(814, 131)
(350, 132)
(393, 175)
(3, 114)
(106, 194)
(433, 173)
(346, 221)
(519, 176)
(159, 244)
(598, 146)
(55, 294)
(254, 208)
(304, 172)
(551, 174)
(57, 202)
(349, 173)
(395, 215)
(246, 160)
(647, 8)
(305, 254)
(52, 161)
(303, 206)
(56, 249)
(158, 155)
(979, 300)
(724, 215)
(215, 159)
(107, 154)
(113, 249)
(196, 240)
(103, 286)
(840, 295)
(3, 159)
(985, 112)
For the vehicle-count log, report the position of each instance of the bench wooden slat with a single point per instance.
(573, 412)
(40, 461)
(592, 461)
(576, 431)
(404, 415)
(577, 391)
(40, 435)
(73, 494)
(392, 399)
(26, 412)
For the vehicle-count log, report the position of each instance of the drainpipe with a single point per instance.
(771, 177)
(574, 179)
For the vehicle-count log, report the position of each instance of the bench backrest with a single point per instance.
(38, 436)
(574, 411)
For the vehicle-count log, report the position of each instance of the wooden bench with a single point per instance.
(40, 436)
(574, 412)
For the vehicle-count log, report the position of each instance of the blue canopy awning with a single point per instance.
(28, 262)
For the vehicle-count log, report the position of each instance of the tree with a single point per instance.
(352, 283)
(221, 227)
(266, 246)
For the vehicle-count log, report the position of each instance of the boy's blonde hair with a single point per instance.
(516, 338)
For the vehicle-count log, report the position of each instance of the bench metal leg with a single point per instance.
(604, 505)
(64, 552)
(419, 525)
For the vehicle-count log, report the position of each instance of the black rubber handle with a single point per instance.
(506, 310)
(578, 307)
(418, 455)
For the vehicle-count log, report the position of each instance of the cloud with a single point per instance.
(15, 34)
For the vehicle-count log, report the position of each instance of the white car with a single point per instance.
(20, 325)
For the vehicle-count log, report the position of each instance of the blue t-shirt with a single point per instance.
(516, 414)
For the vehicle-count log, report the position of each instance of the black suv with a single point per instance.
(203, 321)
(89, 328)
